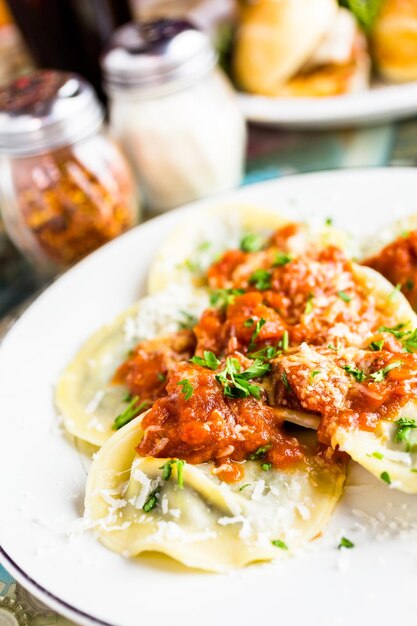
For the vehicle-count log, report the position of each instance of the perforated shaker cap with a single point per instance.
(156, 53)
(46, 109)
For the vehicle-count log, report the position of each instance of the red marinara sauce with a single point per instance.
(208, 426)
(145, 371)
(398, 263)
(354, 390)
(247, 324)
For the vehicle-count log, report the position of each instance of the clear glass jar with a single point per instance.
(69, 189)
(174, 112)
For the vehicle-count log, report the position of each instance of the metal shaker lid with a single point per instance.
(156, 53)
(46, 109)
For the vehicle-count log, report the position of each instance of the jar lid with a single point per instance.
(151, 54)
(46, 109)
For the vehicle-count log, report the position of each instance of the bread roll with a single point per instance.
(334, 69)
(394, 40)
(275, 38)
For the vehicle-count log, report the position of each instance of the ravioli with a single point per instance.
(379, 451)
(393, 461)
(393, 253)
(86, 398)
(371, 246)
(389, 458)
(194, 244)
(199, 520)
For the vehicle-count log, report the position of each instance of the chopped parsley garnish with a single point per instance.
(162, 377)
(210, 360)
(244, 486)
(221, 298)
(404, 427)
(132, 410)
(376, 346)
(151, 500)
(195, 263)
(314, 373)
(279, 544)
(378, 455)
(284, 379)
(328, 221)
(345, 543)
(260, 453)
(248, 323)
(267, 353)
(394, 292)
(192, 266)
(187, 388)
(386, 478)
(333, 347)
(409, 337)
(309, 304)
(285, 340)
(410, 341)
(282, 258)
(188, 322)
(256, 370)
(167, 471)
(259, 324)
(344, 296)
(252, 242)
(266, 466)
(357, 374)
(235, 382)
(409, 284)
(380, 374)
(261, 279)
(397, 330)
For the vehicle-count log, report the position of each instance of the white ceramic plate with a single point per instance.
(43, 476)
(380, 104)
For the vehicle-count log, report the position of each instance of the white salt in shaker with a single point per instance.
(174, 112)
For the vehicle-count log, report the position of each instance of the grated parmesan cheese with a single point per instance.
(159, 314)
(258, 489)
(94, 402)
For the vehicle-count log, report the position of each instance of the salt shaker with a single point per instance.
(174, 112)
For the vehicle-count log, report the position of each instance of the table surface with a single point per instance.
(272, 154)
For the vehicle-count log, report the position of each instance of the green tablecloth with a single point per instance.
(271, 154)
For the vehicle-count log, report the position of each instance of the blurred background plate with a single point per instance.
(381, 104)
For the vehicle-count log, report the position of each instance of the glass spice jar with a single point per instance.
(174, 112)
(65, 186)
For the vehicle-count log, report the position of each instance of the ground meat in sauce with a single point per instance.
(398, 263)
(317, 318)
(233, 329)
(212, 427)
(145, 372)
(316, 296)
(315, 380)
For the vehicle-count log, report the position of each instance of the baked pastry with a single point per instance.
(340, 65)
(394, 40)
(281, 51)
(275, 39)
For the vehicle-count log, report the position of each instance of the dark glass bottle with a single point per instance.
(70, 34)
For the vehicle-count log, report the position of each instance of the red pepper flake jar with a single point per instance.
(65, 186)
